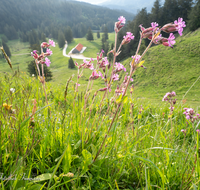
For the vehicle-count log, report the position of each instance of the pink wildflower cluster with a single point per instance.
(96, 75)
(148, 32)
(121, 89)
(169, 98)
(42, 58)
(177, 26)
(137, 59)
(168, 28)
(190, 114)
(118, 25)
(86, 64)
(129, 36)
(119, 67)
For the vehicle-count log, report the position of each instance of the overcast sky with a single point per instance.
(95, 2)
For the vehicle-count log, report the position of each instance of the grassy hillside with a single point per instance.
(167, 69)
(170, 69)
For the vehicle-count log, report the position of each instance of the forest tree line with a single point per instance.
(170, 11)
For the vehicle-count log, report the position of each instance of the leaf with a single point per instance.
(140, 63)
(125, 99)
(44, 177)
(119, 99)
(139, 116)
(77, 144)
(132, 62)
(170, 116)
(156, 35)
(87, 160)
(26, 120)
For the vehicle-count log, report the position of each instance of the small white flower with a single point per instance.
(12, 90)
(33, 75)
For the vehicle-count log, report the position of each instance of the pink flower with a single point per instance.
(137, 58)
(119, 91)
(44, 45)
(180, 26)
(190, 114)
(87, 64)
(103, 63)
(129, 36)
(34, 54)
(96, 75)
(51, 42)
(77, 84)
(154, 24)
(168, 96)
(198, 130)
(131, 79)
(48, 52)
(118, 25)
(147, 32)
(177, 26)
(171, 40)
(183, 130)
(165, 41)
(119, 67)
(115, 77)
(47, 62)
(122, 19)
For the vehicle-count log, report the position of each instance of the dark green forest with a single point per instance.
(19, 17)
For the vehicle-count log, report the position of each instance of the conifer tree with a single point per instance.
(68, 34)
(71, 64)
(98, 34)
(89, 35)
(61, 39)
(32, 70)
(43, 37)
(105, 33)
(194, 17)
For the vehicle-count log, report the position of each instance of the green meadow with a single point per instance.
(75, 142)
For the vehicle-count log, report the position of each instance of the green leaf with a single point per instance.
(119, 99)
(77, 144)
(26, 120)
(87, 160)
(140, 63)
(125, 99)
(43, 177)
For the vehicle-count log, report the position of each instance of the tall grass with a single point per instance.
(140, 150)
(81, 140)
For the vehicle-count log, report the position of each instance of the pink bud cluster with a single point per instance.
(169, 98)
(190, 114)
(118, 25)
(165, 41)
(129, 36)
(119, 67)
(42, 58)
(96, 75)
(121, 89)
(86, 64)
(168, 28)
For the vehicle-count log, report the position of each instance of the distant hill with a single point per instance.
(130, 6)
(24, 15)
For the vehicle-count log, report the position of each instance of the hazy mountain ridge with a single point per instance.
(130, 6)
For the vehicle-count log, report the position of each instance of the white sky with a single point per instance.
(95, 2)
